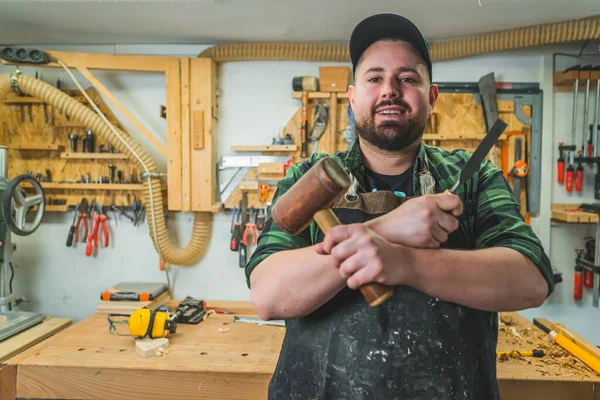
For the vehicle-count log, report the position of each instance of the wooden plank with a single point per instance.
(106, 61)
(126, 113)
(174, 155)
(544, 390)
(39, 147)
(319, 95)
(94, 156)
(186, 139)
(203, 82)
(93, 186)
(506, 106)
(114, 383)
(248, 185)
(265, 149)
(27, 338)
(8, 382)
(570, 213)
(270, 168)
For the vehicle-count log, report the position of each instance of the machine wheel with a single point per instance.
(17, 204)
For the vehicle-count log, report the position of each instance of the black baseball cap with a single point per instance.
(387, 26)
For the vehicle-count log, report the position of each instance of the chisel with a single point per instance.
(475, 161)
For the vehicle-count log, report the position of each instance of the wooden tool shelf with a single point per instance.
(37, 136)
(266, 149)
(94, 156)
(570, 213)
(36, 147)
(92, 186)
(563, 82)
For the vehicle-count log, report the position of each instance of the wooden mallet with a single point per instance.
(311, 198)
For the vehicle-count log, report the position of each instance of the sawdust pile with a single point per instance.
(515, 335)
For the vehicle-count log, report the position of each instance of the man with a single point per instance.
(454, 261)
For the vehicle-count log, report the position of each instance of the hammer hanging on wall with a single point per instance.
(305, 84)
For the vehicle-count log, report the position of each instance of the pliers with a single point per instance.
(99, 220)
(82, 216)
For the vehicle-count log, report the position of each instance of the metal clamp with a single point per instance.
(14, 84)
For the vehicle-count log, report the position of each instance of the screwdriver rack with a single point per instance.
(41, 142)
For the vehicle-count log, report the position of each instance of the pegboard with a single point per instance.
(37, 137)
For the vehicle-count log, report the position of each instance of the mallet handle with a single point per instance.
(374, 293)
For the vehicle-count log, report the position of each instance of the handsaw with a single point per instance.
(482, 150)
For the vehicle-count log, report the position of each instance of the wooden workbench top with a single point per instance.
(216, 359)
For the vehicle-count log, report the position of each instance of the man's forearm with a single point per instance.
(495, 279)
(294, 283)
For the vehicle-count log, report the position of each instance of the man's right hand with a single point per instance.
(421, 222)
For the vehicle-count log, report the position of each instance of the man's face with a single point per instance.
(392, 97)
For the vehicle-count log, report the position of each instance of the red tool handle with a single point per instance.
(245, 236)
(578, 288)
(89, 247)
(234, 245)
(104, 230)
(590, 149)
(569, 178)
(589, 279)
(579, 179)
(561, 171)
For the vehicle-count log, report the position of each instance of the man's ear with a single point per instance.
(433, 95)
(351, 93)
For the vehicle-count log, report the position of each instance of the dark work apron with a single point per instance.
(411, 347)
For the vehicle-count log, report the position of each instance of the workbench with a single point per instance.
(223, 359)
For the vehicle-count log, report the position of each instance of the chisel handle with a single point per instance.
(70, 237)
(375, 293)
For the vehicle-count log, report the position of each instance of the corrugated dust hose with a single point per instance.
(539, 35)
(170, 254)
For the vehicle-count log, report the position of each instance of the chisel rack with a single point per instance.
(55, 149)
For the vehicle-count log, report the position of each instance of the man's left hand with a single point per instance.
(363, 256)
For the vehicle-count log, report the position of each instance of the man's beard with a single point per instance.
(392, 135)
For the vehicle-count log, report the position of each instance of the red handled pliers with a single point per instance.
(82, 216)
(99, 220)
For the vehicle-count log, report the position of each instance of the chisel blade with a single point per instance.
(479, 154)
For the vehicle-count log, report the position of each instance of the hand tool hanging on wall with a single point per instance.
(320, 117)
(588, 69)
(236, 231)
(305, 84)
(578, 278)
(244, 220)
(594, 134)
(571, 166)
(589, 254)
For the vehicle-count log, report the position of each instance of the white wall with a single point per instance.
(255, 103)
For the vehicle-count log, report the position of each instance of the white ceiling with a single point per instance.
(222, 21)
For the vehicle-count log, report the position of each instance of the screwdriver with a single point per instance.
(72, 228)
(236, 235)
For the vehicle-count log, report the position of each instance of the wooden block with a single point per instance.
(571, 213)
(198, 129)
(147, 348)
(248, 185)
(334, 79)
(270, 168)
